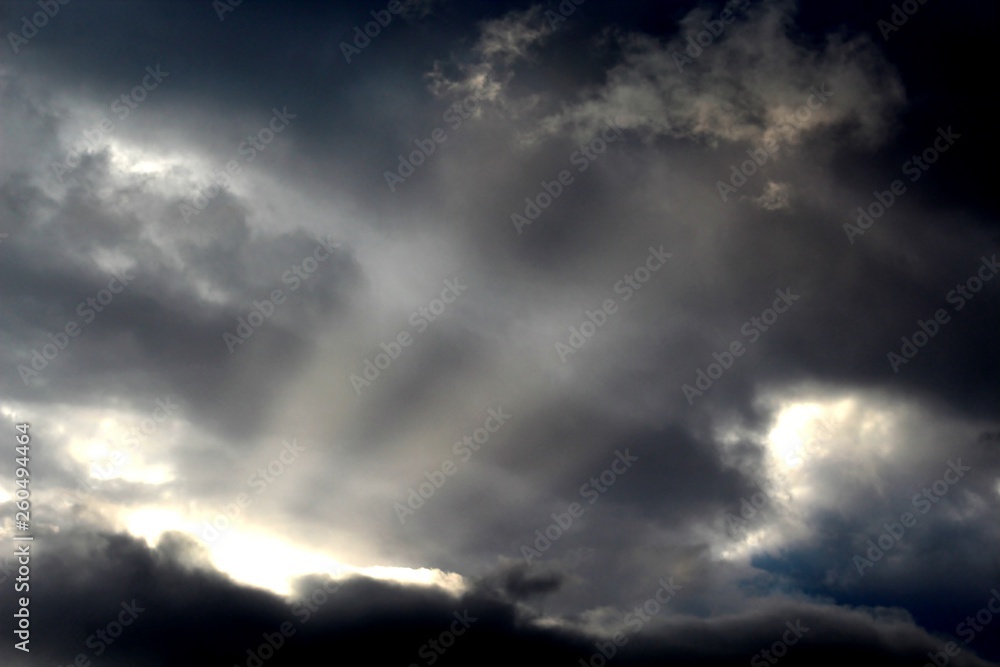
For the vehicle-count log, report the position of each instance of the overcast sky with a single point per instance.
(646, 333)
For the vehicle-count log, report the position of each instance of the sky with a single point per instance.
(426, 332)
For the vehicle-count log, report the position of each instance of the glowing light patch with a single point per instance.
(789, 435)
(262, 560)
(150, 523)
(209, 292)
(112, 261)
(754, 535)
(148, 474)
(136, 161)
(805, 437)
(95, 447)
(803, 433)
(450, 581)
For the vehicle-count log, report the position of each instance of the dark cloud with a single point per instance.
(177, 609)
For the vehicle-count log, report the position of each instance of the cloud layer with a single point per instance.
(521, 310)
